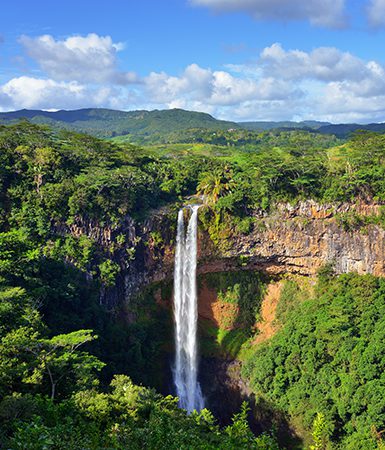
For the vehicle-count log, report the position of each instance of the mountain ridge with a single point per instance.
(107, 123)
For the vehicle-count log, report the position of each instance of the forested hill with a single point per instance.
(269, 125)
(341, 130)
(165, 125)
(108, 123)
(345, 129)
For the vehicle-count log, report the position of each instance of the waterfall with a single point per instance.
(185, 370)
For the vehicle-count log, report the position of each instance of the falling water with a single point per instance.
(186, 315)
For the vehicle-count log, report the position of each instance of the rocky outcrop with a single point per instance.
(303, 238)
(295, 239)
(292, 239)
(266, 326)
(223, 388)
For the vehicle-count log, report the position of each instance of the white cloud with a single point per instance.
(329, 13)
(209, 87)
(376, 13)
(315, 86)
(281, 84)
(89, 58)
(37, 93)
(336, 86)
(324, 83)
(163, 88)
(31, 92)
(323, 63)
(343, 104)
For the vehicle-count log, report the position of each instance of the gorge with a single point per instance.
(286, 274)
(291, 241)
(297, 239)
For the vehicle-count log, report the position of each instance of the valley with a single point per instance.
(290, 237)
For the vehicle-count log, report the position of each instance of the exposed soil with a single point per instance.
(220, 313)
(266, 327)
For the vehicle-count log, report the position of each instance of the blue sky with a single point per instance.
(236, 59)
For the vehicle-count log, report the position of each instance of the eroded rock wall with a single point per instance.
(292, 239)
(301, 239)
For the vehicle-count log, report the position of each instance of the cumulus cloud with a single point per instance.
(376, 13)
(324, 84)
(197, 84)
(89, 58)
(328, 13)
(335, 85)
(323, 63)
(37, 93)
(281, 84)
(194, 81)
(343, 104)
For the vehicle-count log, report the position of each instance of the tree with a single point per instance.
(320, 432)
(59, 358)
(216, 184)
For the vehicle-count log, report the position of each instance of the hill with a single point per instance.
(344, 130)
(164, 126)
(105, 123)
(266, 125)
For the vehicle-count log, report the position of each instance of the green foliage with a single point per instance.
(290, 297)
(215, 185)
(59, 356)
(327, 359)
(349, 221)
(125, 416)
(109, 270)
(320, 433)
(352, 221)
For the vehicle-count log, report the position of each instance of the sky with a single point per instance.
(238, 60)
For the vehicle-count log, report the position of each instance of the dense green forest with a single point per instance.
(327, 360)
(70, 368)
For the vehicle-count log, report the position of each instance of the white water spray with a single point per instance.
(186, 315)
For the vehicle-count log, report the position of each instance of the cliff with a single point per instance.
(292, 239)
(300, 239)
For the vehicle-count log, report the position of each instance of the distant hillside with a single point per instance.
(340, 130)
(110, 123)
(263, 125)
(165, 126)
(344, 130)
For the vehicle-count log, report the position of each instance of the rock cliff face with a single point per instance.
(293, 239)
(303, 238)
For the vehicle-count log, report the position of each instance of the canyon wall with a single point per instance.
(295, 239)
(300, 239)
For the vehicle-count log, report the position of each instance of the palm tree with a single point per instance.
(216, 184)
